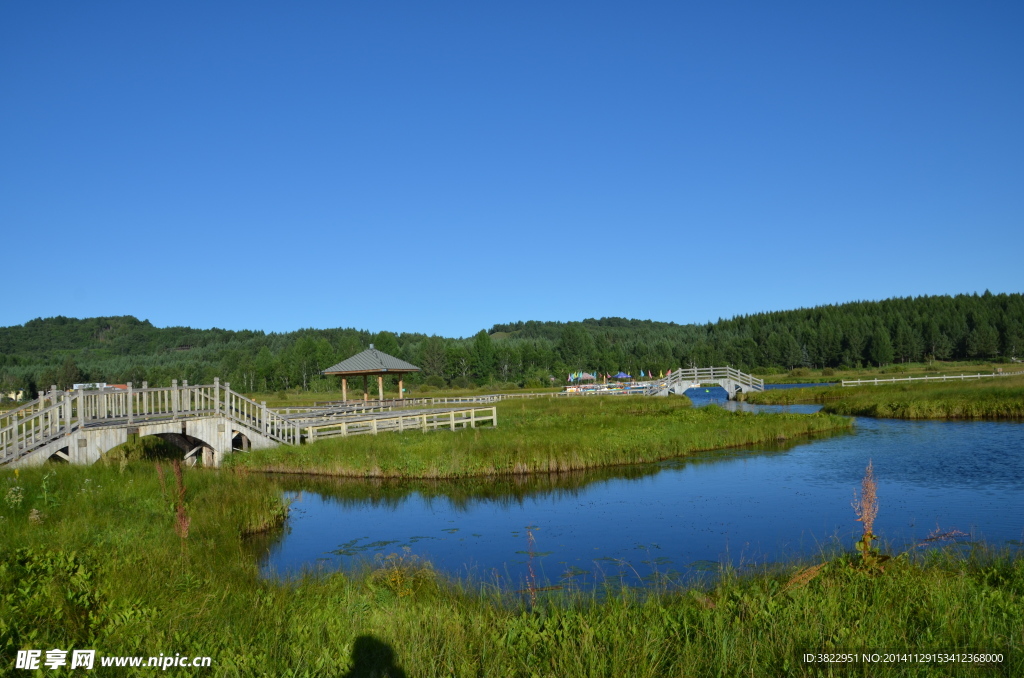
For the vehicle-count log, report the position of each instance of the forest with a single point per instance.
(64, 351)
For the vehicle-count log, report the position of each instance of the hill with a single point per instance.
(120, 349)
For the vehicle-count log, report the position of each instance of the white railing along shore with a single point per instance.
(423, 420)
(941, 377)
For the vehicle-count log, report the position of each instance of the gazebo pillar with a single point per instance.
(401, 391)
(380, 387)
(344, 388)
(366, 389)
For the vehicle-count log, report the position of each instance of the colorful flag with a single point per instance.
(641, 374)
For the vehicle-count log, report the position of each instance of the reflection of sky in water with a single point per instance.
(742, 506)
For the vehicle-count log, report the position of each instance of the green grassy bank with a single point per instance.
(997, 398)
(94, 558)
(542, 436)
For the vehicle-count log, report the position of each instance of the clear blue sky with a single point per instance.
(440, 167)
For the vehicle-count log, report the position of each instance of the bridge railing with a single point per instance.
(257, 416)
(31, 427)
(704, 374)
(59, 413)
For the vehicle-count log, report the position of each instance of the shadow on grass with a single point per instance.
(372, 658)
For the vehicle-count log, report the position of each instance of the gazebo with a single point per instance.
(371, 361)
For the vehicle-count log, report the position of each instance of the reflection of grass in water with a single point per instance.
(544, 436)
(506, 491)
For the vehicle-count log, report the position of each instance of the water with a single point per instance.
(743, 507)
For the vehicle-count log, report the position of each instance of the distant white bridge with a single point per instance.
(729, 378)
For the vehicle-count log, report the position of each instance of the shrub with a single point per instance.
(828, 372)
(435, 381)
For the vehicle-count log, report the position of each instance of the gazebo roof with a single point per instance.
(371, 361)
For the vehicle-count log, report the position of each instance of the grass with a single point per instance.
(544, 436)
(105, 569)
(1001, 398)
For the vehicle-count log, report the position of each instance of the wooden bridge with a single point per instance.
(729, 378)
(205, 422)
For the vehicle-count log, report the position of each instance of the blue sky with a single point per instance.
(440, 167)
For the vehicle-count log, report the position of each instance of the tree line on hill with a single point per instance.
(64, 351)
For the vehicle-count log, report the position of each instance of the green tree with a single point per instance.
(386, 342)
(880, 349)
(68, 374)
(575, 346)
(458, 362)
(432, 356)
(265, 369)
(482, 357)
(983, 342)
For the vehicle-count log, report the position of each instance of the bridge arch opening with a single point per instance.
(162, 446)
(60, 456)
(240, 442)
(192, 450)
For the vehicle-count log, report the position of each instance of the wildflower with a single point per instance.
(14, 496)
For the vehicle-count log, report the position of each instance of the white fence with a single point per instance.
(941, 377)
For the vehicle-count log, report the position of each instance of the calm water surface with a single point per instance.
(745, 507)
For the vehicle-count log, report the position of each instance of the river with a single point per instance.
(742, 507)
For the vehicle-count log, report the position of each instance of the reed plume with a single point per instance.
(865, 505)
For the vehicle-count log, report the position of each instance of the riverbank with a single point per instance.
(996, 398)
(95, 558)
(544, 436)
